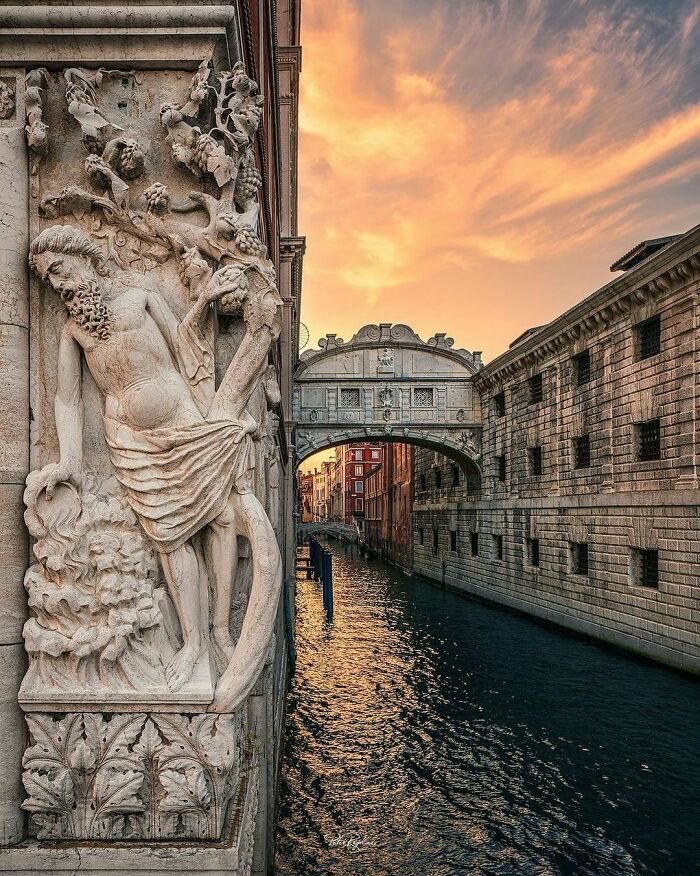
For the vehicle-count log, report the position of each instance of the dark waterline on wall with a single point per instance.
(431, 734)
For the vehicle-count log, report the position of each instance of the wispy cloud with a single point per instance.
(454, 156)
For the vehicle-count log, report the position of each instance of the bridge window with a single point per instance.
(350, 398)
(533, 552)
(423, 397)
(455, 475)
(358, 455)
(582, 367)
(453, 539)
(644, 567)
(648, 337)
(498, 547)
(582, 451)
(578, 557)
(376, 454)
(499, 403)
(474, 543)
(535, 388)
(648, 440)
(535, 454)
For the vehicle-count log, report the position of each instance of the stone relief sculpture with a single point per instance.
(7, 100)
(181, 439)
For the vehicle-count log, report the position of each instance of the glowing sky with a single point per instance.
(474, 166)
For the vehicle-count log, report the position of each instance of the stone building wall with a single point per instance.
(620, 505)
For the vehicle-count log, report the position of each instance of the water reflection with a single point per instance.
(429, 734)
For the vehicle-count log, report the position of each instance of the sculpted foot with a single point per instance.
(223, 646)
(179, 670)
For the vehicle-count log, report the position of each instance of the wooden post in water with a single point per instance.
(328, 582)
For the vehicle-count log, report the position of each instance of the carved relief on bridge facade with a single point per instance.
(154, 497)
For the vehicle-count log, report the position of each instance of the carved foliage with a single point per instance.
(132, 776)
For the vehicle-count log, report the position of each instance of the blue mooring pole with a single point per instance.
(328, 582)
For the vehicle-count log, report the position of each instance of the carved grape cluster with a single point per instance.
(203, 148)
(248, 182)
(247, 240)
(157, 198)
(130, 162)
(234, 279)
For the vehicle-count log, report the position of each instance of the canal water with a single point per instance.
(431, 734)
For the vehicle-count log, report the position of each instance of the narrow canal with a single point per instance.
(431, 734)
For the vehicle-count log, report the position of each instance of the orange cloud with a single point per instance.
(475, 171)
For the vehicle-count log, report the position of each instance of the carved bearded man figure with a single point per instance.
(184, 457)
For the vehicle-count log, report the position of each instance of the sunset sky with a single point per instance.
(475, 166)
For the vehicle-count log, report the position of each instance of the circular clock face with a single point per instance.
(303, 336)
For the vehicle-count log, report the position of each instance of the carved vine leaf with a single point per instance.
(185, 789)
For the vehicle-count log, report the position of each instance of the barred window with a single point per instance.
(648, 337)
(535, 454)
(423, 397)
(499, 403)
(579, 558)
(582, 367)
(533, 551)
(498, 547)
(501, 468)
(474, 543)
(645, 568)
(455, 474)
(349, 398)
(453, 539)
(582, 451)
(535, 386)
(648, 440)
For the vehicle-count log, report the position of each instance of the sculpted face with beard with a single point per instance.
(182, 469)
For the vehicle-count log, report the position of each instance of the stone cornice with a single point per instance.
(670, 269)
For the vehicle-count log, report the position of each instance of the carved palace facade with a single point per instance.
(151, 280)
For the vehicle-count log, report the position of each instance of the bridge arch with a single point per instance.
(387, 384)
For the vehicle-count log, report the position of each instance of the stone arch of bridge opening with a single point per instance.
(469, 466)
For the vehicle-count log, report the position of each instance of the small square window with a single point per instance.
(535, 387)
(455, 474)
(535, 458)
(533, 552)
(579, 557)
(453, 539)
(423, 397)
(350, 398)
(582, 368)
(499, 403)
(376, 454)
(645, 568)
(648, 337)
(648, 440)
(582, 451)
(474, 543)
(498, 547)
(501, 468)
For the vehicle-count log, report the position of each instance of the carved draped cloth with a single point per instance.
(178, 479)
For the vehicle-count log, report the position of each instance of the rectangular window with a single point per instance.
(423, 482)
(375, 454)
(533, 552)
(648, 337)
(499, 403)
(498, 547)
(358, 455)
(582, 368)
(501, 468)
(453, 539)
(423, 397)
(645, 568)
(535, 454)
(648, 440)
(474, 543)
(436, 542)
(358, 470)
(535, 387)
(349, 398)
(582, 451)
(358, 504)
(421, 536)
(359, 487)
(455, 475)
(438, 479)
(579, 557)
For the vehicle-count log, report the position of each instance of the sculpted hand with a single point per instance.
(65, 472)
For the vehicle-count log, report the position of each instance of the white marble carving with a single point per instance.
(181, 439)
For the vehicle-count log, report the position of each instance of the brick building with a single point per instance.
(305, 494)
(357, 459)
(587, 511)
(389, 505)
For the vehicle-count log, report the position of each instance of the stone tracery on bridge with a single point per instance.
(388, 384)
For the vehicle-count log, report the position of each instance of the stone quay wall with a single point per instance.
(598, 390)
